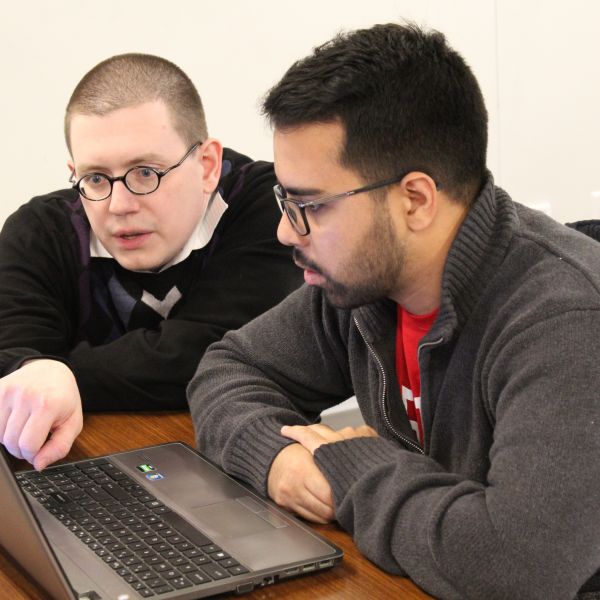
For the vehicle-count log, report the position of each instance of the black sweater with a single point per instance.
(56, 301)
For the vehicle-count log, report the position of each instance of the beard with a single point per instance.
(373, 270)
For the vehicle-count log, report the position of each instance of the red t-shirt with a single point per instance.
(410, 329)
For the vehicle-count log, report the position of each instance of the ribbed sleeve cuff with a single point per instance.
(13, 359)
(343, 463)
(255, 450)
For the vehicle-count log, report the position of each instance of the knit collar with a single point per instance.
(473, 259)
(201, 235)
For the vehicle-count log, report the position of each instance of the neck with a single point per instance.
(421, 289)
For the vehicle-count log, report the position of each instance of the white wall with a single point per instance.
(536, 62)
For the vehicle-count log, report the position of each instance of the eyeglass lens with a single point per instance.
(139, 180)
(293, 212)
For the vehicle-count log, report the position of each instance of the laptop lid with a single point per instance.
(23, 538)
(200, 500)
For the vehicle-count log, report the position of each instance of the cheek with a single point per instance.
(181, 217)
(96, 214)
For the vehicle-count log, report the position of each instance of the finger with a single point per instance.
(312, 508)
(366, 431)
(353, 432)
(35, 433)
(4, 414)
(315, 517)
(305, 436)
(57, 446)
(320, 428)
(347, 432)
(319, 488)
(14, 426)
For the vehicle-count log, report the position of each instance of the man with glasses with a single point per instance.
(467, 326)
(112, 290)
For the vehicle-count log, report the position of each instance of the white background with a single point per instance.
(537, 63)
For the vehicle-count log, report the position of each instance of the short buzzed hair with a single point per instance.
(129, 79)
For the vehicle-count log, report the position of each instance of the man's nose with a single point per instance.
(122, 201)
(287, 235)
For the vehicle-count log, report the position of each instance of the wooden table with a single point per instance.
(356, 577)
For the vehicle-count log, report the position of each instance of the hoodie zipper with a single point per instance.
(386, 417)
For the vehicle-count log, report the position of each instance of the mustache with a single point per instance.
(303, 262)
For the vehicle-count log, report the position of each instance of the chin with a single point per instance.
(347, 298)
(138, 265)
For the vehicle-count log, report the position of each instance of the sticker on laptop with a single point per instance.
(154, 476)
(146, 468)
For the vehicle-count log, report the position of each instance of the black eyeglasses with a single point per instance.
(296, 209)
(139, 180)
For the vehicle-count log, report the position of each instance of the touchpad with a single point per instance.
(228, 519)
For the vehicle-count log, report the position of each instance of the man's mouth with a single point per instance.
(130, 234)
(304, 264)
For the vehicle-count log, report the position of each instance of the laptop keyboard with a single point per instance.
(151, 547)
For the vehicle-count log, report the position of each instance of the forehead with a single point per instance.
(308, 154)
(123, 133)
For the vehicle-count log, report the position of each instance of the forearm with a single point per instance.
(256, 380)
(143, 369)
(238, 415)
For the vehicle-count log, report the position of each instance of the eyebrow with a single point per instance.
(137, 161)
(299, 192)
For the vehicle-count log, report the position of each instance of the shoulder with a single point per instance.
(54, 221)
(243, 178)
(247, 188)
(548, 279)
(557, 254)
(52, 210)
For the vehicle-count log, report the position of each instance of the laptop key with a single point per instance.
(98, 494)
(228, 562)
(198, 578)
(180, 583)
(141, 568)
(170, 574)
(137, 585)
(58, 498)
(199, 559)
(116, 491)
(163, 589)
(93, 462)
(215, 571)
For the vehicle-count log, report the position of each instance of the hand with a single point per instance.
(39, 399)
(313, 436)
(296, 483)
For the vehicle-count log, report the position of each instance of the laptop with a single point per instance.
(159, 522)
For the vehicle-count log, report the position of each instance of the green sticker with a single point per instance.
(146, 468)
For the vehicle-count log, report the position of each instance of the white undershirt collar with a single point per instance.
(201, 235)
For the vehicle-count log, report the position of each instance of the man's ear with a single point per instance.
(211, 156)
(421, 200)
(71, 166)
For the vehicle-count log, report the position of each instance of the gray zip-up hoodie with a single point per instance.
(503, 501)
